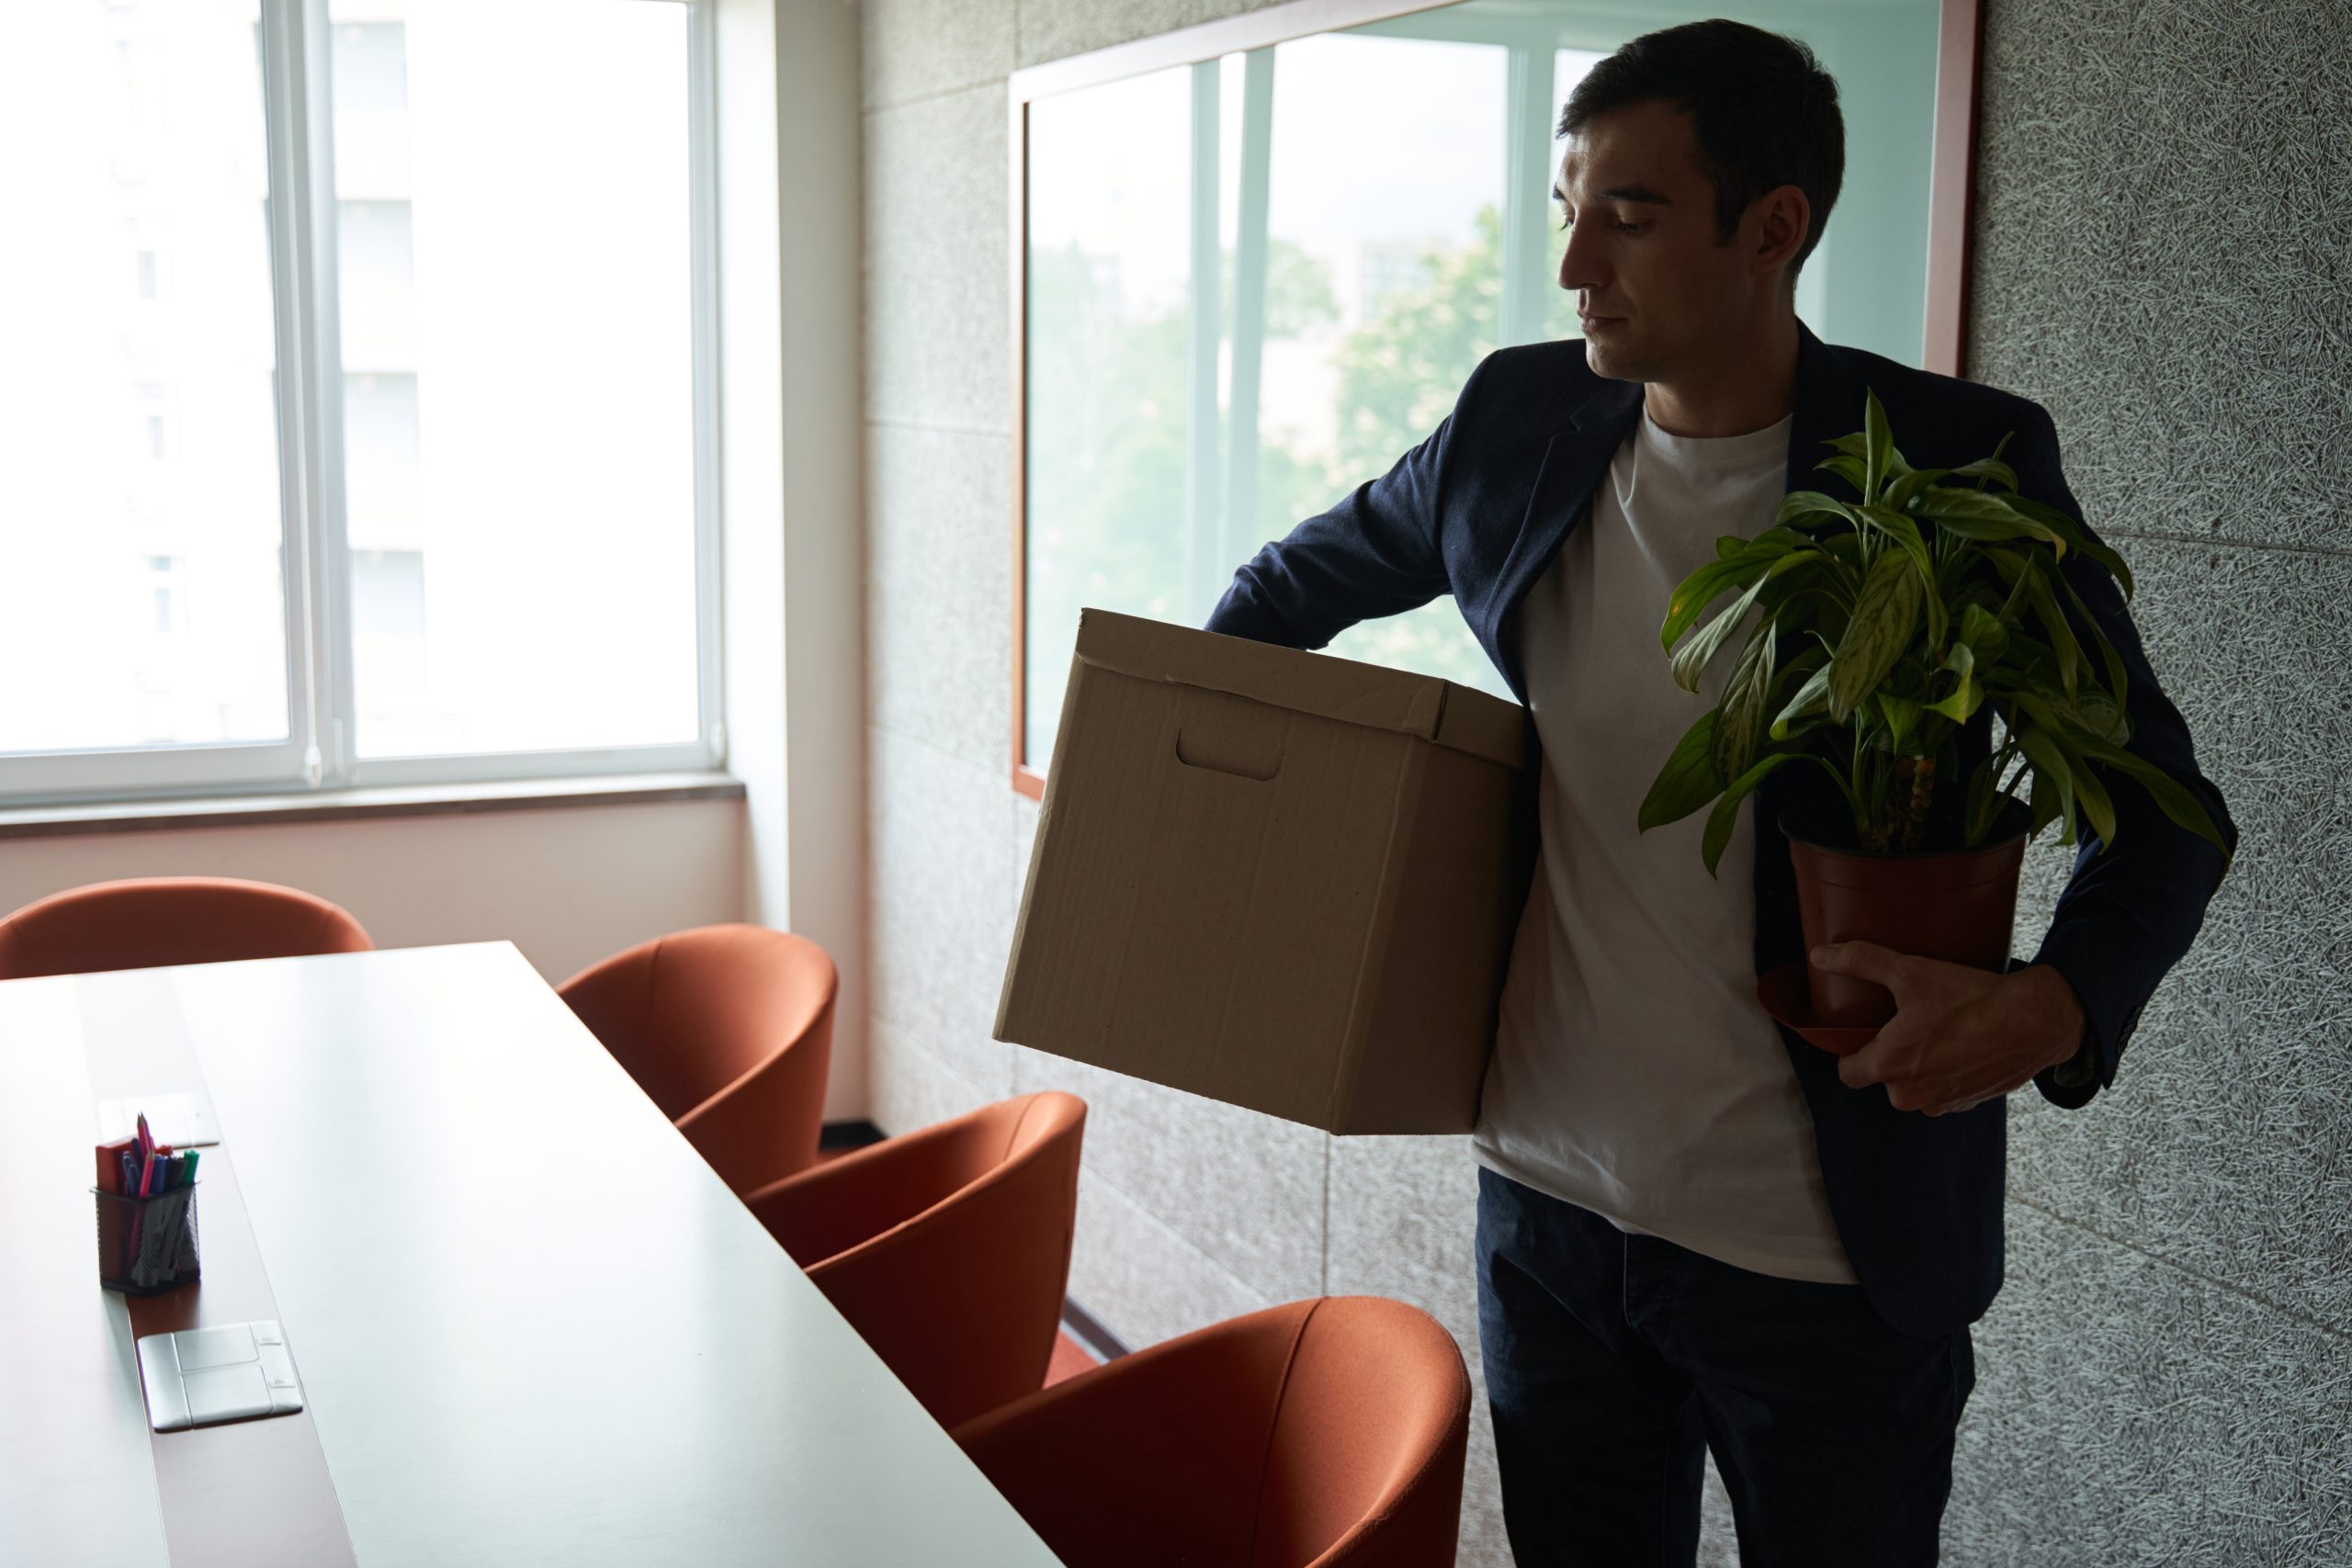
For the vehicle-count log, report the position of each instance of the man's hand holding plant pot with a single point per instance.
(1960, 1035)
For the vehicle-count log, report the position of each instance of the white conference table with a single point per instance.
(531, 1325)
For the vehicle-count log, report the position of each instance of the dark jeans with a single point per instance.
(1613, 1362)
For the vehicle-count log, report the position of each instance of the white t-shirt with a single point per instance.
(1633, 1072)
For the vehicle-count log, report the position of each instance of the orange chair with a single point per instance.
(729, 1029)
(1326, 1433)
(150, 922)
(947, 1248)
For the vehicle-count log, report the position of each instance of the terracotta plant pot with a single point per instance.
(1959, 905)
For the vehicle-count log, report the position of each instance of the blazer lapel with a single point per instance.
(1573, 464)
(1828, 399)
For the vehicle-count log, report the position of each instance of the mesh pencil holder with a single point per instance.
(147, 1245)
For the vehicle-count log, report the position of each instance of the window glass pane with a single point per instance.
(516, 316)
(141, 588)
(1379, 198)
(1400, 213)
(1109, 311)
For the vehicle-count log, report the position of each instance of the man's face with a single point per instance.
(1660, 298)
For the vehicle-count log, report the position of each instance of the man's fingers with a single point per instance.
(1867, 1066)
(1865, 960)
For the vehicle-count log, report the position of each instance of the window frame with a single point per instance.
(1528, 151)
(318, 752)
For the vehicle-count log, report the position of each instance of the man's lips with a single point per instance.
(1591, 322)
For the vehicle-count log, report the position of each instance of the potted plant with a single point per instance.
(1882, 630)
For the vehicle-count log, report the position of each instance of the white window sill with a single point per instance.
(339, 805)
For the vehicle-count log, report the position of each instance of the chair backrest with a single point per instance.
(1329, 1433)
(1364, 1463)
(948, 1247)
(150, 922)
(727, 1029)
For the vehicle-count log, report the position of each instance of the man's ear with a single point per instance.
(1783, 218)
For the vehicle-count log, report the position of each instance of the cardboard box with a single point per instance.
(1280, 879)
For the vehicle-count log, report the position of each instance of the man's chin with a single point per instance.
(1611, 361)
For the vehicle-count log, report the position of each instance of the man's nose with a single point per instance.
(1580, 265)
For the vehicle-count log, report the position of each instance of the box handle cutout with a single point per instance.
(1231, 754)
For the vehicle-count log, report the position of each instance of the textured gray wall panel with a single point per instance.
(1141, 1279)
(939, 642)
(2164, 254)
(1243, 1188)
(2127, 1412)
(2224, 1145)
(1053, 29)
(938, 327)
(919, 49)
(911, 1087)
(941, 841)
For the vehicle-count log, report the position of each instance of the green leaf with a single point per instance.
(1902, 716)
(2118, 682)
(1811, 698)
(2053, 621)
(1851, 470)
(1744, 699)
(1966, 697)
(1726, 816)
(1985, 798)
(1900, 494)
(1983, 469)
(1688, 779)
(1973, 514)
(2053, 780)
(2075, 537)
(1878, 446)
(2082, 782)
(1799, 505)
(2089, 715)
(1982, 630)
(1691, 659)
(2092, 797)
(1702, 588)
(1906, 533)
(1885, 619)
(2173, 797)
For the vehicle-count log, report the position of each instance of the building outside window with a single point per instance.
(417, 346)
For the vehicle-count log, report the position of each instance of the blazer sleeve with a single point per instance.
(1376, 553)
(2131, 909)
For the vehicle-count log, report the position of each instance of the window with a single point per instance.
(416, 367)
(1252, 282)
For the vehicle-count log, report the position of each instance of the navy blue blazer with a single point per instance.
(1478, 510)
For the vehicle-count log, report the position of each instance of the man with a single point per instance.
(1693, 1228)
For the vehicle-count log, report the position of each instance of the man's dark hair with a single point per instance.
(1765, 113)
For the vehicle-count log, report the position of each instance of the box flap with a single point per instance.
(1342, 689)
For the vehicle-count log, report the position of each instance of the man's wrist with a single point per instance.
(2072, 1061)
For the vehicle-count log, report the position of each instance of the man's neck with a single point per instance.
(1748, 390)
